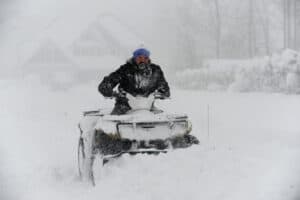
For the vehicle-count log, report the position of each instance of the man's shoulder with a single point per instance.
(125, 66)
(155, 66)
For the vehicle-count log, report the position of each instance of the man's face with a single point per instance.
(142, 59)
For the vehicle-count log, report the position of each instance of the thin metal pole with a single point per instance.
(208, 122)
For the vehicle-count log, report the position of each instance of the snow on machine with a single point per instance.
(144, 129)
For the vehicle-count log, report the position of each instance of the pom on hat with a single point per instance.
(141, 52)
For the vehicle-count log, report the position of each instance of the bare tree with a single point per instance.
(284, 3)
(295, 23)
(264, 16)
(288, 13)
(290, 10)
(250, 29)
(218, 29)
(186, 33)
(296, 16)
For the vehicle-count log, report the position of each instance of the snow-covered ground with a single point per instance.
(249, 148)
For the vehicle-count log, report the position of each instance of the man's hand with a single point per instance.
(159, 95)
(164, 91)
(120, 94)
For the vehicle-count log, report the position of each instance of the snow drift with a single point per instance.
(249, 148)
(279, 72)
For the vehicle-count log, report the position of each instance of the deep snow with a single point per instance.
(250, 150)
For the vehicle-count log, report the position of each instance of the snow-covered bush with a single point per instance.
(279, 72)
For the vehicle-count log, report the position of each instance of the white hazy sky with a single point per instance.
(167, 32)
(26, 23)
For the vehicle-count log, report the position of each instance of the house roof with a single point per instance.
(49, 53)
(106, 32)
(109, 33)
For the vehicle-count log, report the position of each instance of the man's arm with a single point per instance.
(109, 82)
(163, 86)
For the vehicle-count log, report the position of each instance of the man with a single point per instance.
(138, 77)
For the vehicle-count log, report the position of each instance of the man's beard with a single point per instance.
(145, 69)
(142, 66)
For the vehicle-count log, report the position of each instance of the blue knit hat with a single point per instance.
(141, 52)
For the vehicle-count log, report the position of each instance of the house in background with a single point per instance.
(105, 36)
(104, 44)
(51, 64)
(101, 48)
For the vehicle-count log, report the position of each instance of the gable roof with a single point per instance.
(49, 53)
(106, 35)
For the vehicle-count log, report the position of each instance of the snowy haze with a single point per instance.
(53, 54)
(64, 42)
(179, 33)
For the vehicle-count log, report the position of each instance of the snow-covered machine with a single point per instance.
(144, 129)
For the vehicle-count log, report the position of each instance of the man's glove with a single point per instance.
(120, 94)
(164, 91)
(159, 95)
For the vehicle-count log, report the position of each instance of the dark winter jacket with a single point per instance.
(136, 81)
